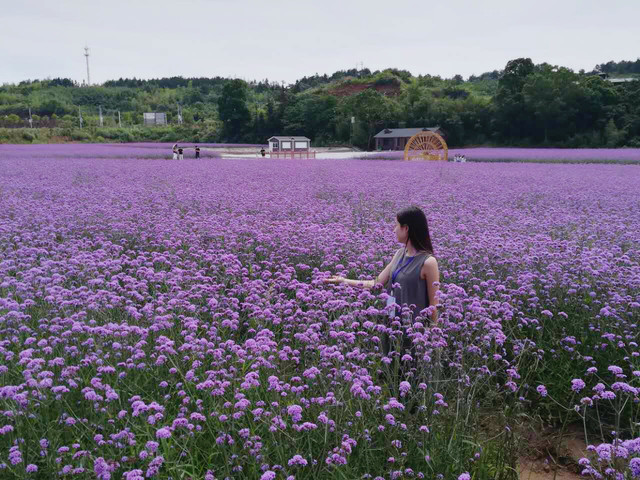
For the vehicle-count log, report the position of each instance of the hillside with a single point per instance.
(347, 89)
(523, 104)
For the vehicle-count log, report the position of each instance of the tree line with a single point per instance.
(523, 104)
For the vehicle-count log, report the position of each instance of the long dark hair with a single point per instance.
(416, 220)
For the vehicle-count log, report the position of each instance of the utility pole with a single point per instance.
(179, 114)
(30, 119)
(86, 54)
(353, 120)
(80, 116)
(119, 121)
(100, 114)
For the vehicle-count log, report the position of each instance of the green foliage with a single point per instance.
(513, 120)
(612, 134)
(232, 107)
(311, 113)
(525, 104)
(625, 67)
(80, 135)
(13, 120)
(28, 136)
(372, 109)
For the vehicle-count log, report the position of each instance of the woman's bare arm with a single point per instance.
(431, 274)
(382, 278)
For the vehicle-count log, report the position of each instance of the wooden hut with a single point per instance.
(282, 146)
(397, 138)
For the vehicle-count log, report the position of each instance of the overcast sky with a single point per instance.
(288, 39)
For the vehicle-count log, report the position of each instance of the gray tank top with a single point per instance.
(413, 289)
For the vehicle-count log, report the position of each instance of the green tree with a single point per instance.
(372, 110)
(13, 120)
(233, 111)
(273, 125)
(512, 117)
(416, 103)
(311, 115)
(541, 98)
(629, 100)
(598, 103)
(612, 134)
(514, 75)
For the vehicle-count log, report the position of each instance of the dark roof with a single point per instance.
(403, 132)
(285, 138)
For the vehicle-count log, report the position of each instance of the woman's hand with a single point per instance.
(336, 279)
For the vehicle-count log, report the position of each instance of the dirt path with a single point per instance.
(321, 152)
(538, 470)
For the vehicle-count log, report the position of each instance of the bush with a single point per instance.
(634, 142)
(613, 134)
(80, 136)
(28, 136)
(210, 136)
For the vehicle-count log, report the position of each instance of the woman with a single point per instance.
(412, 277)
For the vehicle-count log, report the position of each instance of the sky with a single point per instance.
(284, 40)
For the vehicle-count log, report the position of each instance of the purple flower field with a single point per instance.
(169, 320)
(573, 155)
(111, 150)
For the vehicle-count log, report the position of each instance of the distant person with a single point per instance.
(263, 152)
(180, 156)
(175, 151)
(197, 151)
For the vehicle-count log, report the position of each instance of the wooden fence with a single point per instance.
(292, 154)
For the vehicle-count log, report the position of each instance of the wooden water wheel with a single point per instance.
(426, 145)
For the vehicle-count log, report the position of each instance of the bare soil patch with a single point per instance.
(551, 455)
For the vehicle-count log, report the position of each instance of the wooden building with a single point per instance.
(397, 138)
(281, 146)
(617, 80)
(154, 118)
(287, 144)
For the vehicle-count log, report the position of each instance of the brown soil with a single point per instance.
(355, 88)
(539, 470)
(551, 456)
